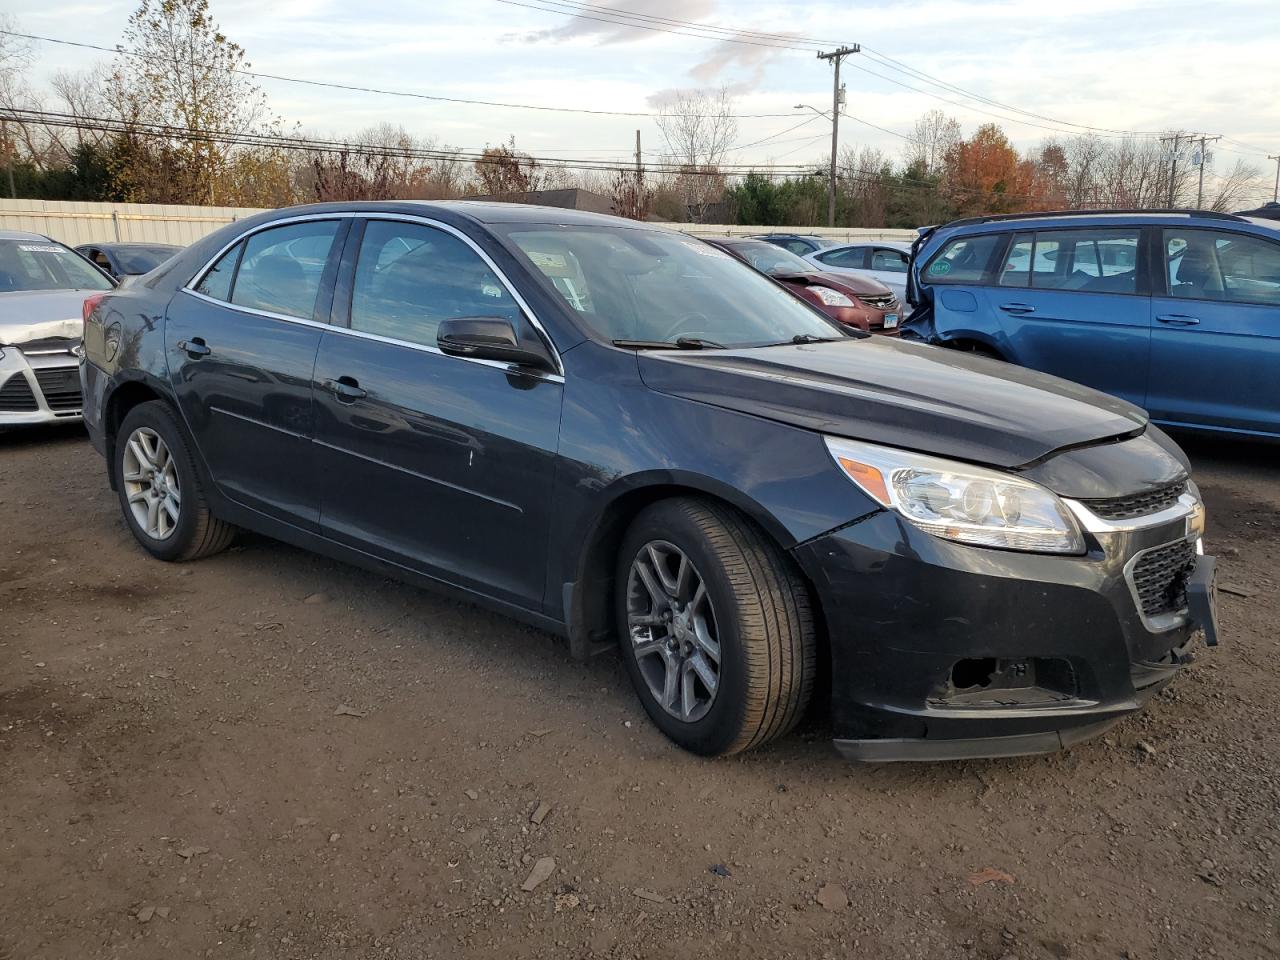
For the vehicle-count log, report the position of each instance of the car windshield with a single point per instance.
(135, 260)
(772, 260)
(44, 265)
(647, 285)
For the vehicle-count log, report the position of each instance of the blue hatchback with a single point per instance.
(1178, 312)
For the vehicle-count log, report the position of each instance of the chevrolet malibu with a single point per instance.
(623, 435)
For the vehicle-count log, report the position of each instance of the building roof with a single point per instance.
(569, 198)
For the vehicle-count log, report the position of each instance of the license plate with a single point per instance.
(1202, 598)
(890, 321)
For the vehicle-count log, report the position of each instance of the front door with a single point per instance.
(1215, 346)
(438, 463)
(241, 349)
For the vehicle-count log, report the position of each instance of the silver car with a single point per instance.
(885, 260)
(43, 286)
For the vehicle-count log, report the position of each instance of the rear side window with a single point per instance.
(409, 277)
(1089, 261)
(964, 260)
(281, 269)
(798, 247)
(853, 259)
(1204, 265)
(216, 282)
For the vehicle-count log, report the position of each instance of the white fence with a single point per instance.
(75, 223)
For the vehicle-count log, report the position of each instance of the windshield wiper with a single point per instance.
(806, 338)
(680, 343)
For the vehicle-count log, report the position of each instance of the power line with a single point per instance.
(333, 85)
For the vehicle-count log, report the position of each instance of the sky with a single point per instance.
(1115, 64)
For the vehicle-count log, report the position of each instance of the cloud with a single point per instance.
(630, 23)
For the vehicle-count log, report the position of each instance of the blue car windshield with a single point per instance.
(650, 285)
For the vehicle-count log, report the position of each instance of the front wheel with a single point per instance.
(159, 488)
(716, 627)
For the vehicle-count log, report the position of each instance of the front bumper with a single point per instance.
(941, 650)
(39, 385)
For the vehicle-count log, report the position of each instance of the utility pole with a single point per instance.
(637, 156)
(1275, 194)
(1173, 163)
(1203, 158)
(835, 57)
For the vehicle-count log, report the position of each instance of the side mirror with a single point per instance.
(488, 338)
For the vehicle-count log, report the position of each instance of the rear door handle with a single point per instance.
(1017, 308)
(195, 348)
(347, 389)
(1178, 319)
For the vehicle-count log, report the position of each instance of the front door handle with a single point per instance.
(1178, 319)
(195, 347)
(347, 389)
(1017, 308)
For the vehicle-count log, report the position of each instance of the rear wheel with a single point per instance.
(159, 488)
(716, 625)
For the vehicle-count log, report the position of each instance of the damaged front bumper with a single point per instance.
(945, 651)
(40, 382)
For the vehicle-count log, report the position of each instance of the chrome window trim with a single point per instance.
(557, 377)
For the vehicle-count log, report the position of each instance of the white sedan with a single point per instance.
(886, 260)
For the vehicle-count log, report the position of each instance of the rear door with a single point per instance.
(241, 344)
(1215, 348)
(438, 463)
(1075, 304)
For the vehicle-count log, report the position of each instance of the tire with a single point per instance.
(195, 532)
(760, 613)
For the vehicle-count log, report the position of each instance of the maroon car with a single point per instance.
(861, 302)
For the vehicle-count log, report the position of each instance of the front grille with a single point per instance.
(880, 302)
(61, 388)
(16, 396)
(1138, 504)
(1160, 577)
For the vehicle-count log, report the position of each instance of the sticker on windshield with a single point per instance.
(41, 248)
(941, 268)
(548, 261)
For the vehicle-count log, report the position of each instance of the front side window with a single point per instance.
(629, 283)
(964, 260)
(281, 268)
(1205, 265)
(37, 264)
(891, 261)
(409, 277)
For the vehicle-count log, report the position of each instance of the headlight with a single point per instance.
(832, 298)
(960, 502)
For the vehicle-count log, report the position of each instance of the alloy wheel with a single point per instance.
(673, 632)
(151, 485)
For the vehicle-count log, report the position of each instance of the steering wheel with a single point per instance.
(684, 327)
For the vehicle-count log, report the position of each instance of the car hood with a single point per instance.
(27, 315)
(900, 394)
(844, 282)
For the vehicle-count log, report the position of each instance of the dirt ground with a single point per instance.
(270, 755)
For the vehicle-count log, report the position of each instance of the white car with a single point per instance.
(886, 260)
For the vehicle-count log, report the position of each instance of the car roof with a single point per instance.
(901, 245)
(478, 211)
(22, 235)
(1097, 218)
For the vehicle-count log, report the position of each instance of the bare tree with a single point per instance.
(1241, 181)
(504, 170)
(933, 135)
(699, 128)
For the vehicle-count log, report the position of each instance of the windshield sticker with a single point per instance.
(40, 248)
(941, 267)
(548, 261)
